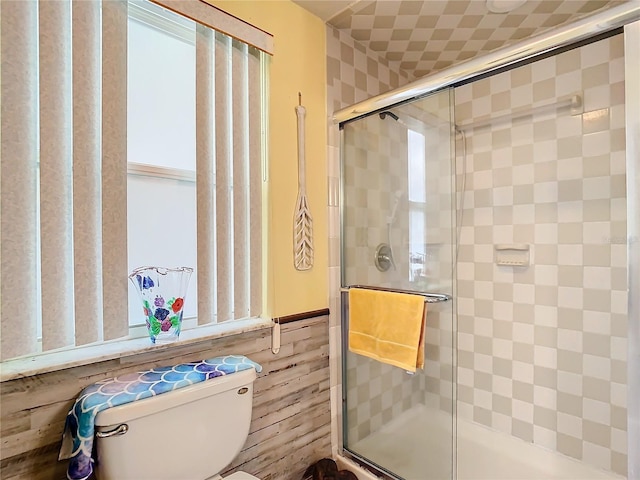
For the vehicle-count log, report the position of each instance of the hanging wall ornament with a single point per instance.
(302, 221)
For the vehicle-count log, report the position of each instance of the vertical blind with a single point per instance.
(63, 170)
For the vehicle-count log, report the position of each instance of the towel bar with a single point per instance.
(428, 297)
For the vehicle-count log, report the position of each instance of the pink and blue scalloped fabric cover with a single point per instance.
(79, 429)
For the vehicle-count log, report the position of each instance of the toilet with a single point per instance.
(191, 433)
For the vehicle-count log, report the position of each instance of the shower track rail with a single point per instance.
(428, 297)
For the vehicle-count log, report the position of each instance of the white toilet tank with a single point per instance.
(191, 433)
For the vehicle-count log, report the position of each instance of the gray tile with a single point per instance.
(569, 445)
(570, 404)
(522, 430)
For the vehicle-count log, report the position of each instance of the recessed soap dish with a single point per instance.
(512, 255)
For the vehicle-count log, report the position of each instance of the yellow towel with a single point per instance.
(387, 326)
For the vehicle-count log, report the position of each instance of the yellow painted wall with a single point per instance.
(299, 65)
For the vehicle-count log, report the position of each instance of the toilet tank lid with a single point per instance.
(165, 401)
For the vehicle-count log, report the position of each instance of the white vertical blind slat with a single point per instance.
(223, 178)
(241, 253)
(18, 173)
(114, 168)
(87, 233)
(205, 206)
(55, 175)
(254, 137)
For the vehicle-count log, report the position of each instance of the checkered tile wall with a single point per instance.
(542, 349)
(355, 73)
(423, 37)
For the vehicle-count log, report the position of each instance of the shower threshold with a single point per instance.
(417, 446)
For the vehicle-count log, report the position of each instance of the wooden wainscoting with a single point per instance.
(290, 428)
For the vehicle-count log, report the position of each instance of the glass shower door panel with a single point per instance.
(397, 233)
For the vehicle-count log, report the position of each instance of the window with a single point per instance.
(417, 197)
(130, 135)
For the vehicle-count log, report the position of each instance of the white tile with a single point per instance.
(502, 386)
(524, 293)
(522, 411)
(482, 399)
(597, 277)
(501, 157)
(522, 174)
(570, 211)
(569, 425)
(570, 383)
(521, 96)
(570, 254)
(619, 395)
(465, 341)
(619, 302)
(596, 144)
(544, 192)
(618, 209)
(502, 348)
(481, 106)
(545, 315)
(502, 196)
(545, 150)
(546, 274)
(483, 289)
(483, 363)
(568, 83)
(465, 376)
(597, 455)
(569, 168)
(596, 54)
(596, 188)
(619, 348)
(570, 297)
(501, 423)
(545, 356)
(596, 233)
(619, 255)
(483, 253)
(546, 233)
(503, 311)
(482, 179)
(597, 367)
(619, 440)
(523, 332)
(522, 372)
(544, 437)
(597, 97)
(466, 306)
(596, 322)
(570, 340)
(596, 411)
(503, 233)
(618, 163)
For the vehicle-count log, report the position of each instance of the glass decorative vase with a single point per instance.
(162, 291)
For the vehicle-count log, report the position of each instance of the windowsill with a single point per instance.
(51, 362)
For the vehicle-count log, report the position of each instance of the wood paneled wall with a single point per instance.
(290, 428)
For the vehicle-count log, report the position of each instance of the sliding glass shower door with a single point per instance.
(398, 230)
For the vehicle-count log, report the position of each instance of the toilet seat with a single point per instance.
(241, 476)
(236, 476)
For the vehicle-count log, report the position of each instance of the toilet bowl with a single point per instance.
(191, 433)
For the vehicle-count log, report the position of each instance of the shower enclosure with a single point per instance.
(398, 234)
(502, 199)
